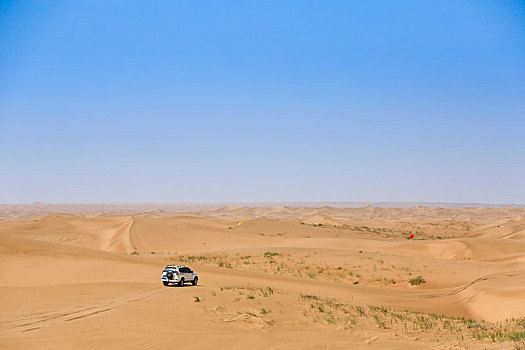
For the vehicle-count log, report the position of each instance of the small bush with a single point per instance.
(416, 281)
(270, 254)
(308, 297)
(360, 310)
(224, 264)
(330, 320)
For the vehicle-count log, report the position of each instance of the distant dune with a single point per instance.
(37, 209)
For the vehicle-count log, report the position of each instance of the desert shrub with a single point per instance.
(416, 281)
(224, 264)
(270, 254)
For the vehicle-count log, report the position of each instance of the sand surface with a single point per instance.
(284, 278)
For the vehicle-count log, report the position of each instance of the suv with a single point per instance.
(178, 274)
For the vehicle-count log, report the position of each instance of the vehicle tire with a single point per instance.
(165, 283)
(195, 281)
(181, 282)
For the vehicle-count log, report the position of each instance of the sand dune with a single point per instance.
(368, 213)
(513, 228)
(496, 297)
(271, 277)
(110, 234)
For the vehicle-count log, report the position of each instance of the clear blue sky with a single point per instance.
(127, 101)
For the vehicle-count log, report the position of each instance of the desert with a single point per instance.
(262, 175)
(269, 277)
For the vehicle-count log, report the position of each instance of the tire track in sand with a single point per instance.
(32, 321)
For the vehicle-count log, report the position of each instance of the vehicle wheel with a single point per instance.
(165, 283)
(181, 282)
(195, 281)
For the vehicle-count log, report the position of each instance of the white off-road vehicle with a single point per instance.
(179, 274)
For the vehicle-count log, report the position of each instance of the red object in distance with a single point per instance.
(411, 236)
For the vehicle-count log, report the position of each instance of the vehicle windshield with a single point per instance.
(170, 269)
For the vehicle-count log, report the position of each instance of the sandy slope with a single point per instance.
(277, 280)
